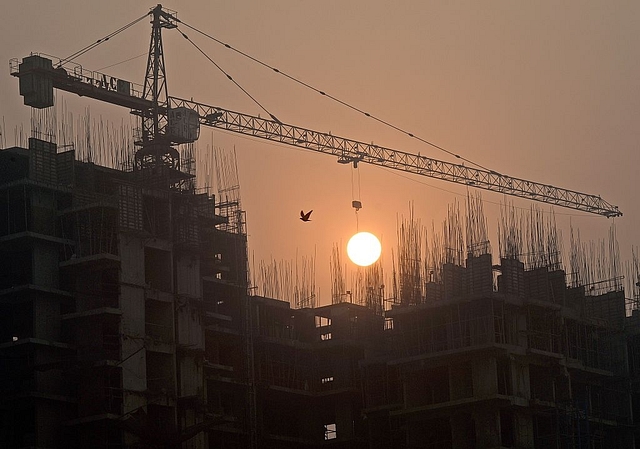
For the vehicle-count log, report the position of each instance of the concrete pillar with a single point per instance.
(344, 421)
(460, 381)
(132, 304)
(463, 431)
(487, 427)
(188, 275)
(520, 379)
(485, 377)
(523, 426)
(45, 265)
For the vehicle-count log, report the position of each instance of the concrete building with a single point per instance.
(113, 287)
(125, 322)
(534, 364)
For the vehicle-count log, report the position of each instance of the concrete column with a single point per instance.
(462, 431)
(485, 377)
(523, 426)
(520, 378)
(487, 427)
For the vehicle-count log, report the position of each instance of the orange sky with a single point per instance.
(547, 91)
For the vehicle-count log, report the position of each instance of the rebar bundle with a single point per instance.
(476, 226)
(367, 283)
(510, 240)
(338, 274)
(542, 240)
(94, 140)
(3, 134)
(227, 187)
(410, 252)
(595, 265)
(368, 287)
(531, 237)
(453, 237)
(374, 287)
(435, 256)
(632, 280)
(288, 281)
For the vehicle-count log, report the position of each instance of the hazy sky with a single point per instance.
(542, 90)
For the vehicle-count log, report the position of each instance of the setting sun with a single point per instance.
(364, 249)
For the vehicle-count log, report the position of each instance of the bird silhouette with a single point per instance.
(305, 217)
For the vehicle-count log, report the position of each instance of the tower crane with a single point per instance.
(167, 121)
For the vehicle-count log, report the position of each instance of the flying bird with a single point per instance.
(305, 217)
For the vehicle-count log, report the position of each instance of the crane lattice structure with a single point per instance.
(169, 120)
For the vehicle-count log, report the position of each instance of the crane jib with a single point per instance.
(348, 150)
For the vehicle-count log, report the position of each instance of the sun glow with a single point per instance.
(364, 249)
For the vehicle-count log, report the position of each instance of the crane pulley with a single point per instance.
(168, 120)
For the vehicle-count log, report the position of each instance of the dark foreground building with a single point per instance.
(125, 323)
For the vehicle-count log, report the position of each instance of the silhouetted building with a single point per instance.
(125, 323)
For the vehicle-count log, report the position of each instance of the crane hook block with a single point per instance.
(357, 205)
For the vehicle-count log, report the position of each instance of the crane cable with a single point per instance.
(339, 101)
(344, 103)
(99, 41)
(355, 194)
(229, 77)
(123, 61)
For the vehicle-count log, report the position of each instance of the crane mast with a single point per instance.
(167, 120)
(156, 148)
(155, 82)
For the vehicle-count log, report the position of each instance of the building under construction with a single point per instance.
(127, 319)
(518, 354)
(127, 323)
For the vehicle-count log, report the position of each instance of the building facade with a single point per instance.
(125, 322)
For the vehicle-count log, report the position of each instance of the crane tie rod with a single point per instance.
(99, 41)
(344, 103)
(228, 76)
